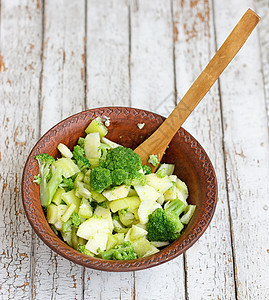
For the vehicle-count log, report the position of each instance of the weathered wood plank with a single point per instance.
(262, 7)
(209, 262)
(107, 53)
(19, 85)
(107, 84)
(152, 88)
(152, 79)
(246, 152)
(62, 94)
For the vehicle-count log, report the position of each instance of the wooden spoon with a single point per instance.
(158, 142)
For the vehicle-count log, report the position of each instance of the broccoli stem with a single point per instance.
(176, 206)
(188, 214)
(47, 193)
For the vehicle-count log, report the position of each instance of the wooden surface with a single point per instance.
(59, 57)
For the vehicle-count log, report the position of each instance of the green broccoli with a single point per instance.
(50, 178)
(79, 156)
(122, 158)
(82, 249)
(119, 176)
(153, 159)
(146, 169)
(165, 169)
(76, 220)
(81, 142)
(100, 179)
(104, 149)
(67, 184)
(136, 178)
(164, 224)
(120, 252)
(37, 179)
(73, 222)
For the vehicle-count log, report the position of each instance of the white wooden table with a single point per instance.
(60, 57)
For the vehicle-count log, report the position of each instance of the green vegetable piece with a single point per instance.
(57, 198)
(125, 251)
(68, 212)
(165, 169)
(153, 159)
(176, 206)
(67, 165)
(189, 211)
(49, 181)
(122, 158)
(138, 179)
(70, 198)
(97, 125)
(37, 179)
(81, 248)
(119, 176)
(67, 184)
(64, 150)
(97, 196)
(54, 229)
(52, 213)
(76, 220)
(67, 237)
(85, 209)
(146, 169)
(100, 179)
(163, 225)
(118, 226)
(79, 156)
(67, 225)
(81, 142)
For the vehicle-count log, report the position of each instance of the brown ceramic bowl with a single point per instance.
(192, 166)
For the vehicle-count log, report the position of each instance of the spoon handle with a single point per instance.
(157, 143)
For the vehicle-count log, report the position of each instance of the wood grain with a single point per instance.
(19, 85)
(152, 88)
(107, 53)
(262, 7)
(62, 94)
(246, 155)
(209, 263)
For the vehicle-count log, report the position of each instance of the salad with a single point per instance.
(101, 200)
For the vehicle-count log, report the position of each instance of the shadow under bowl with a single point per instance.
(192, 165)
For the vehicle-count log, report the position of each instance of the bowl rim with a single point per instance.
(166, 254)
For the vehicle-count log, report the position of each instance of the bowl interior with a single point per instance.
(192, 166)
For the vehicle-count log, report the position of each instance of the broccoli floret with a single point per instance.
(50, 178)
(81, 142)
(136, 178)
(146, 169)
(164, 224)
(82, 249)
(120, 252)
(78, 151)
(79, 156)
(67, 184)
(119, 176)
(100, 179)
(37, 179)
(104, 149)
(153, 159)
(122, 158)
(73, 222)
(76, 220)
